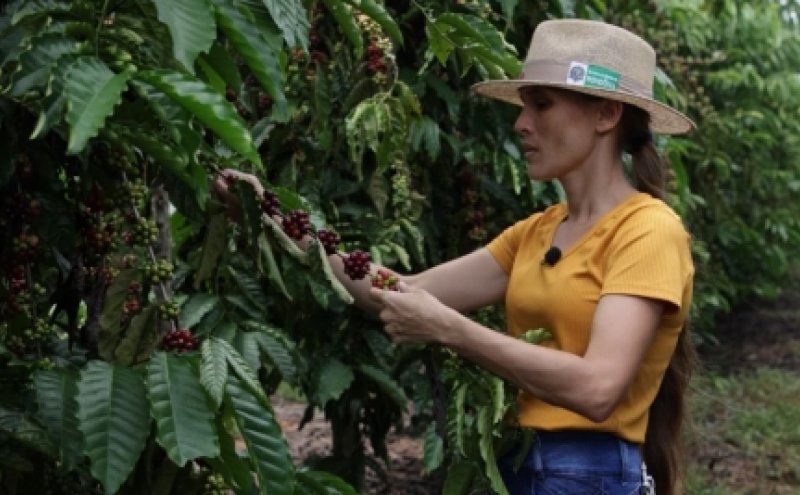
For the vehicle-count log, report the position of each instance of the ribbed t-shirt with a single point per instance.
(638, 248)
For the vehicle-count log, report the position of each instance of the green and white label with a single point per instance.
(592, 76)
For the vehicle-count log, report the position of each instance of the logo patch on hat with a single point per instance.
(592, 76)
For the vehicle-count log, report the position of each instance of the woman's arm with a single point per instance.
(591, 385)
(464, 284)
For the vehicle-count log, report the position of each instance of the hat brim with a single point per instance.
(663, 118)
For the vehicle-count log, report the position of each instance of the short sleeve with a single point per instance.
(505, 246)
(650, 257)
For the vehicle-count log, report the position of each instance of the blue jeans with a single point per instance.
(575, 463)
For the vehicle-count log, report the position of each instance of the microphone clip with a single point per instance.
(552, 256)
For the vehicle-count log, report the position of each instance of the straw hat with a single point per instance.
(595, 58)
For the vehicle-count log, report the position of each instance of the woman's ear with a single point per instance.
(608, 115)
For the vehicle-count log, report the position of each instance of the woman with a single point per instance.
(608, 273)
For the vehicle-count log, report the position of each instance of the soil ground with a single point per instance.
(762, 336)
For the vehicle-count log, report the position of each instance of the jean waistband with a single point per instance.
(588, 451)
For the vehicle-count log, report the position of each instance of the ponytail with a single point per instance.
(664, 451)
(635, 138)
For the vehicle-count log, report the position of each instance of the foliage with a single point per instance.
(737, 176)
(139, 309)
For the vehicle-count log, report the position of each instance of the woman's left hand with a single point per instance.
(415, 316)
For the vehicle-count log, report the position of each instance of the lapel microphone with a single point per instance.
(552, 256)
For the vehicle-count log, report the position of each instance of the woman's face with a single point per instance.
(557, 131)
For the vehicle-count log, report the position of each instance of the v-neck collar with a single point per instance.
(561, 212)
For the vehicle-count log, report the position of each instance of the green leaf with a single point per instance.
(166, 155)
(438, 42)
(209, 106)
(223, 64)
(213, 370)
(56, 397)
(456, 418)
(386, 383)
(196, 307)
(141, 338)
(330, 483)
(333, 378)
(433, 450)
(179, 121)
(19, 426)
(110, 328)
(263, 437)
(318, 261)
(30, 8)
(191, 25)
(379, 14)
(114, 421)
(54, 103)
(257, 53)
(214, 246)
(239, 365)
(278, 347)
(459, 478)
(92, 92)
(343, 14)
(178, 404)
(250, 287)
(486, 447)
(292, 19)
(273, 271)
(246, 344)
(37, 63)
(230, 464)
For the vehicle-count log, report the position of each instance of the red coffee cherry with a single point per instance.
(356, 264)
(296, 224)
(329, 240)
(180, 340)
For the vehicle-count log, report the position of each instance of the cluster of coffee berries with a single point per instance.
(132, 305)
(263, 101)
(270, 204)
(145, 232)
(356, 264)
(110, 272)
(329, 240)
(296, 224)
(20, 207)
(25, 247)
(169, 310)
(134, 191)
(385, 279)
(474, 217)
(21, 298)
(119, 160)
(158, 271)
(39, 332)
(215, 485)
(379, 49)
(179, 339)
(232, 96)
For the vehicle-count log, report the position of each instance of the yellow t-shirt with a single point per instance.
(638, 248)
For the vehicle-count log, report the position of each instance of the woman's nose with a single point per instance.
(522, 125)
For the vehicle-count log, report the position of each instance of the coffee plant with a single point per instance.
(144, 325)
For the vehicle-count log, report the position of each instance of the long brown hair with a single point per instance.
(664, 450)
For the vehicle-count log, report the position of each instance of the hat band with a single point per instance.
(583, 75)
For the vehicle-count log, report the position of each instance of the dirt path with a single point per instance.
(404, 473)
